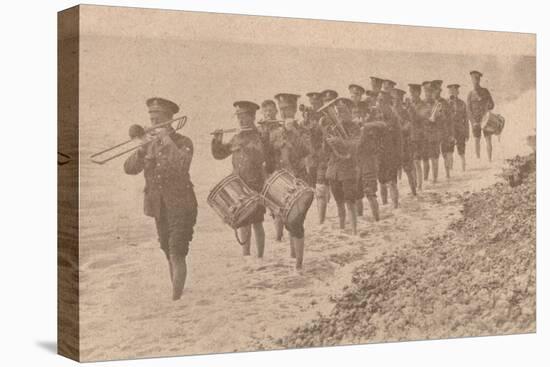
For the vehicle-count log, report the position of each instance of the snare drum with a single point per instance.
(233, 201)
(287, 196)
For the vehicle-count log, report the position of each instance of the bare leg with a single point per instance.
(463, 159)
(384, 193)
(373, 202)
(292, 246)
(451, 160)
(419, 175)
(489, 146)
(352, 210)
(447, 164)
(244, 233)
(322, 194)
(299, 248)
(278, 228)
(426, 163)
(435, 168)
(411, 178)
(342, 214)
(180, 274)
(478, 147)
(359, 206)
(171, 271)
(394, 194)
(259, 236)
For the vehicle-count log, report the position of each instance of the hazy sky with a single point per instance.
(136, 22)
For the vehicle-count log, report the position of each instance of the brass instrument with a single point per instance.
(436, 109)
(233, 130)
(149, 136)
(333, 127)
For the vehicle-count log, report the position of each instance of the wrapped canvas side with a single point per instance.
(67, 189)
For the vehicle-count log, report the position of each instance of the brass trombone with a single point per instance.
(112, 152)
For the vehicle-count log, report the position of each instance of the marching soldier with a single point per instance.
(417, 136)
(322, 191)
(368, 151)
(388, 85)
(310, 124)
(267, 125)
(479, 103)
(404, 119)
(428, 128)
(169, 195)
(269, 121)
(342, 165)
(289, 150)
(376, 86)
(356, 93)
(459, 118)
(358, 114)
(446, 128)
(392, 150)
(432, 131)
(248, 159)
(312, 118)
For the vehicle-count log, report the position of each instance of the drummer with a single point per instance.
(248, 159)
(290, 149)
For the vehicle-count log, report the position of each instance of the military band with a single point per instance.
(348, 147)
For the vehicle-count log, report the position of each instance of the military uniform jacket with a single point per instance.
(443, 120)
(248, 157)
(459, 117)
(165, 164)
(339, 168)
(479, 101)
(391, 141)
(288, 150)
(415, 110)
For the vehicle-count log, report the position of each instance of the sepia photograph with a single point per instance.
(232, 183)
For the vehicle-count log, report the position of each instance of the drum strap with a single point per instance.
(239, 240)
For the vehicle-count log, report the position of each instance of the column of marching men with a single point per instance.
(351, 148)
(336, 149)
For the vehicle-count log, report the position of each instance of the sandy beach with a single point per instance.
(232, 303)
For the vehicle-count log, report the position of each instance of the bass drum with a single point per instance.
(234, 201)
(287, 196)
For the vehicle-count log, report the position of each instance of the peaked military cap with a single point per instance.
(437, 83)
(356, 88)
(475, 72)
(398, 92)
(313, 95)
(371, 93)
(268, 102)
(453, 86)
(416, 87)
(287, 99)
(329, 93)
(427, 84)
(390, 82)
(245, 106)
(162, 104)
(376, 79)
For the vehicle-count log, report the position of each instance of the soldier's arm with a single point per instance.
(464, 119)
(220, 150)
(490, 102)
(469, 107)
(135, 163)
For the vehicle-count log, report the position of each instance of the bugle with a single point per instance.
(132, 144)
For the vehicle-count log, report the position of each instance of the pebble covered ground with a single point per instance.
(477, 278)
